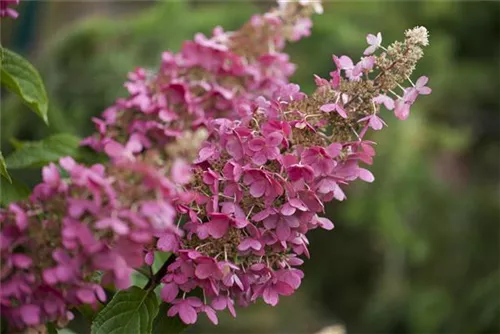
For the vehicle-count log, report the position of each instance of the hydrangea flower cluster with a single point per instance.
(6, 11)
(261, 182)
(52, 245)
(215, 158)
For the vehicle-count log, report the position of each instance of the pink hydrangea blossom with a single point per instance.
(375, 122)
(374, 42)
(5, 11)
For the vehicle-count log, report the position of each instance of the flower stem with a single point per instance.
(155, 280)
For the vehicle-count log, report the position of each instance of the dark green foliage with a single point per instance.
(22, 79)
(130, 311)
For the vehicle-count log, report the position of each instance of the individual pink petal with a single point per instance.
(99, 291)
(219, 303)
(384, 99)
(205, 153)
(371, 39)
(86, 296)
(114, 149)
(297, 203)
(167, 243)
(205, 270)
(270, 296)
(341, 111)
(365, 175)
(401, 110)
(367, 63)
(345, 62)
(325, 223)
(169, 292)
(369, 50)
(51, 175)
(376, 123)
(30, 314)
(187, 313)
(149, 258)
(257, 189)
(287, 209)
(256, 144)
(212, 316)
(259, 158)
(194, 301)
(181, 172)
(283, 231)
(274, 139)
(218, 227)
(49, 276)
(329, 107)
(421, 82)
(425, 91)
(249, 243)
(333, 149)
(21, 261)
(230, 306)
(283, 288)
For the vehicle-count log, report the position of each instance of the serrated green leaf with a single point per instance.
(3, 168)
(130, 311)
(22, 78)
(10, 192)
(164, 324)
(39, 153)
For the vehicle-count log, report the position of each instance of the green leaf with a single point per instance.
(20, 77)
(160, 259)
(39, 153)
(11, 192)
(3, 168)
(130, 311)
(164, 324)
(51, 329)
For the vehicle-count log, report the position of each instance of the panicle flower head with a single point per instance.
(71, 228)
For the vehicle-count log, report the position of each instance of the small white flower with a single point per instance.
(419, 34)
(315, 4)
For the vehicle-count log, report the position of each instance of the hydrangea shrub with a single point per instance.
(216, 159)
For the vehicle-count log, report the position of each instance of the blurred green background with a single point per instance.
(417, 251)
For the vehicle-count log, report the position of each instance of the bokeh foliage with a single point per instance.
(415, 252)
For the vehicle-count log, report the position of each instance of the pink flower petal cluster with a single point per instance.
(49, 256)
(401, 105)
(248, 224)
